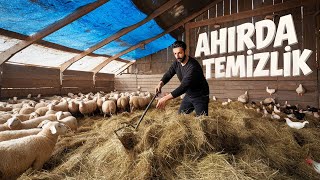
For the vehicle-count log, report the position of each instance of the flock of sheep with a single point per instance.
(29, 128)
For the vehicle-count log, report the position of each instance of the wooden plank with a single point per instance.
(79, 83)
(104, 89)
(117, 35)
(76, 90)
(78, 73)
(11, 70)
(248, 14)
(245, 5)
(234, 7)
(123, 68)
(227, 9)
(107, 77)
(76, 78)
(104, 83)
(29, 83)
(50, 29)
(22, 93)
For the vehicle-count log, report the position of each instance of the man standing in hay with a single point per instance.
(193, 83)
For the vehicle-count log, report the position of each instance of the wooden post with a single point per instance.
(187, 38)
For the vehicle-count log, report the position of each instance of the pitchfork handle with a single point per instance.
(145, 111)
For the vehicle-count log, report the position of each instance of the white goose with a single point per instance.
(300, 90)
(295, 125)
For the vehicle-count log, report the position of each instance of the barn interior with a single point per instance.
(57, 52)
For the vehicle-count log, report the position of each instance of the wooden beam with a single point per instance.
(122, 32)
(44, 43)
(141, 44)
(124, 67)
(6, 55)
(247, 14)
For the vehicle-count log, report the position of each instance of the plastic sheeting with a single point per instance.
(28, 17)
(87, 63)
(112, 67)
(42, 56)
(6, 43)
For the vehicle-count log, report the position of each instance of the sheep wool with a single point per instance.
(18, 155)
(15, 134)
(16, 124)
(71, 122)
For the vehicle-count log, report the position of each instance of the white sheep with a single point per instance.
(40, 104)
(15, 134)
(62, 106)
(7, 108)
(60, 115)
(109, 107)
(123, 103)
(26, 110)
(71, 122)
(4, 117)
(18, 155)
(42, 111)
(19, 105)
(88, 107)
(73, 107)
(137, 102)
(15, 124)
(51, 112)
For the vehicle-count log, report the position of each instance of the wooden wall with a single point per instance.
(230, 13)
(104, 82)
(77, 81)
(130, 82)
(18, 80)
(23, 80)
(252, 11)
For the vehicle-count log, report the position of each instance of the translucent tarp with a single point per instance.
(112, 67)
(6, 43)
(28, 17)
(42, 56)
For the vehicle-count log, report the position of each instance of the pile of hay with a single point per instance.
(231, 143)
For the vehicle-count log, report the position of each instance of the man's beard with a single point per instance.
(181, 60)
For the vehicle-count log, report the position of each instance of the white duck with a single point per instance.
(314, 164)
(270, 91)
(295, 125)
(244, 98)
(214, 98)
(275, 116)
(300, 90)
(275, 109)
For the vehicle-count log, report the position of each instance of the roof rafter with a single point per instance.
(120, 33)
(6, 55)
(189, 18)
(124, 67)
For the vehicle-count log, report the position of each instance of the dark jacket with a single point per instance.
(193, 82)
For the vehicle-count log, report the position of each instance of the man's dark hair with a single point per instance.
(179, 44)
